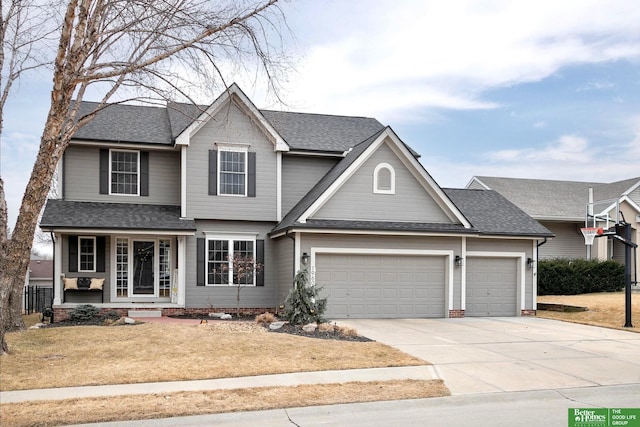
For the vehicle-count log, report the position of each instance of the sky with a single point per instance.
(523, 89)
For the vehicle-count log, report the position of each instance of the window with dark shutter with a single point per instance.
(200, 261)
(73, 254)
(260, 261)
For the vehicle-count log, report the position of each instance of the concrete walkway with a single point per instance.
(425, 372)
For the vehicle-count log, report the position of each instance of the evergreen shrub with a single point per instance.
(564, 276)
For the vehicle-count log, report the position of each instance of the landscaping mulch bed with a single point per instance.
(327, 335)
(286, 328)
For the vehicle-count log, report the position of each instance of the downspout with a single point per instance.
(538, 248)
(293, 260)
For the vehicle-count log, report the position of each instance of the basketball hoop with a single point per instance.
(590, 233)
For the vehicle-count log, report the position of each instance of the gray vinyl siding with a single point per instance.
(390, 242)
(284, 268)
(299, 175)
(225, 296)
(82, 177)
(87, 297)
(231, 126)
(568, 243)
(508, 245)
(355, 200)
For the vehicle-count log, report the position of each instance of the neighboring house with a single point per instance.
(157, 201)
(562, 207)
(40, 273)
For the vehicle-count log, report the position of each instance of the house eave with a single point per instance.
(110, 231)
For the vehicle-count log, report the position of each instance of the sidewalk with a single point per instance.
(321, 377)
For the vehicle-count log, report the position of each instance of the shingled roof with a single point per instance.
(97, 215)
(160, 125)
(490, 213)
(125, 123)
(550, 199)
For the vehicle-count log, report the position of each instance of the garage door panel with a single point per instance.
(391, 286)
(491, 286)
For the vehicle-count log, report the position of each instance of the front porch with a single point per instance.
(132, 255)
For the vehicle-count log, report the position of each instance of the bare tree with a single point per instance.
(149, 49)
(24, 30)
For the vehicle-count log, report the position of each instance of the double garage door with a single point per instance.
(382, 286)
(412, 286)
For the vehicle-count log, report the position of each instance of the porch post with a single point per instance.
(182, 269)
(57, 268)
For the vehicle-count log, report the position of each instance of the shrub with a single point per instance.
(303, 304)
(84, 312)
(266, 319)
(563, 276)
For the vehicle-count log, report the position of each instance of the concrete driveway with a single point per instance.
(483, 355)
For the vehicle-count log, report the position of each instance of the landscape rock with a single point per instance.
(129, 321)
(276, 325)
(38, 326)
(311, 327)
(225, 317)
(217, 315)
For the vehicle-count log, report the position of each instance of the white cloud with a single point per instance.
(570, 158)
(570, 148)
(449, 53)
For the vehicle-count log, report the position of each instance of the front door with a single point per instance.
(143, 268)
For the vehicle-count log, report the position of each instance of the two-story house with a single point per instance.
(159, 201)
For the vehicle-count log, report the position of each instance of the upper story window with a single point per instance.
(233, 172)
(87, 254)
(125, 177)
(384, 179)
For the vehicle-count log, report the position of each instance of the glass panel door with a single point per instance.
(143, 260)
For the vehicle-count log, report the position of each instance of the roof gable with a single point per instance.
(336, 177)
(232, 94)
(411, 200)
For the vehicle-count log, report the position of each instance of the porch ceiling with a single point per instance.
(62, 214)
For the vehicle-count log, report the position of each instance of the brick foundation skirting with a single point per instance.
(527, 312)
(60, 314)
(456, 313)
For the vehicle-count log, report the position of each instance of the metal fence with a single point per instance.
(36, 298)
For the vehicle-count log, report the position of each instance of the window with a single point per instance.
(233, 172)
(230, 262)
(124, 172)
(87, 254)
(122, 267)
(384, 179)
(164, 268)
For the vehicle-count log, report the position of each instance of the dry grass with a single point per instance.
(149, 406)
(97, 355)
(604, 309)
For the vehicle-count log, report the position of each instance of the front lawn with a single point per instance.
(95, 355)
(603, 309)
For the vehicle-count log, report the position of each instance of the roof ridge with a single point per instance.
(315, 114)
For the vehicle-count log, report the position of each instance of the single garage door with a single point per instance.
(492, 285)
(382, 286)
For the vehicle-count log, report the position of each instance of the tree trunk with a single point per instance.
(14, 260)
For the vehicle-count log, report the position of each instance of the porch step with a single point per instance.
(145, 313)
